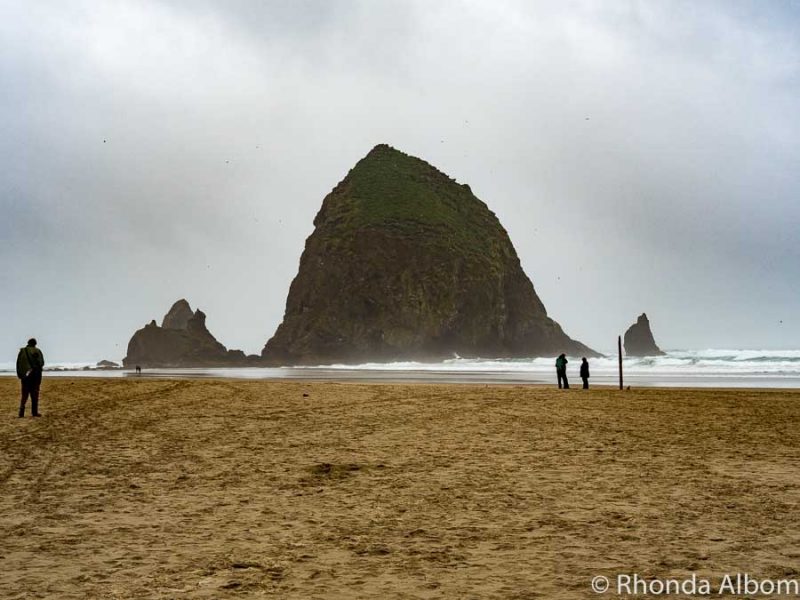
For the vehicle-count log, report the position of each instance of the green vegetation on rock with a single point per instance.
(400, 193)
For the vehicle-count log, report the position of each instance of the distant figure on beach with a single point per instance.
(30, 362)
(561, 370)
(585, 373)
(138, 370)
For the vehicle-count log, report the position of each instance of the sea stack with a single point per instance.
(406, 264)
(639, 339)
(182, 341)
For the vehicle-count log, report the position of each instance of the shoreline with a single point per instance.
(434, 377)
(723, 368)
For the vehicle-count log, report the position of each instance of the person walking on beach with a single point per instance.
(585, 373)
(561, 371)
(30, 362)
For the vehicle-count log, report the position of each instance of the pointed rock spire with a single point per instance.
(639, 339)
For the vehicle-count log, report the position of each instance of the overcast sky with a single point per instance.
(643, 156)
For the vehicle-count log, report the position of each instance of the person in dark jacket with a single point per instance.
(30, 362)
(561, 371)
(585, 373)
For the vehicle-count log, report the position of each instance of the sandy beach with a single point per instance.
(159, 488)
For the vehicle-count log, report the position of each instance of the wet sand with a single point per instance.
(222, 489)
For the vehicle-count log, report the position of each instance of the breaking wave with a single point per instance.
(675, 362)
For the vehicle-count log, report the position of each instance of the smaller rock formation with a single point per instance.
(107, 364)
(182, 341)
(639, 339)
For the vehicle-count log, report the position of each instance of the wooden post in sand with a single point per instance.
(619, 352)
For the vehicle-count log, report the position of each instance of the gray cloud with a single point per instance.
(643, 156)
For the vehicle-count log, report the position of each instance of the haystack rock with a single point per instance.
(405, 263)
(639, 339)
(182, 341)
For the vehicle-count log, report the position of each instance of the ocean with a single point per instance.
(678, 368)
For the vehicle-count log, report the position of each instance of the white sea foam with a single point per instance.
(677, 362)
(10, 367)
(712, 367)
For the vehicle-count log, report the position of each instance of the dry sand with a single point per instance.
(223, 489)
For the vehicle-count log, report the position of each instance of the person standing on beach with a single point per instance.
(585, 373)
(561, 371)
(30, 362)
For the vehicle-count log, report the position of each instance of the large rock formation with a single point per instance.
(405, 263)
(181, 341)
(639, 339)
